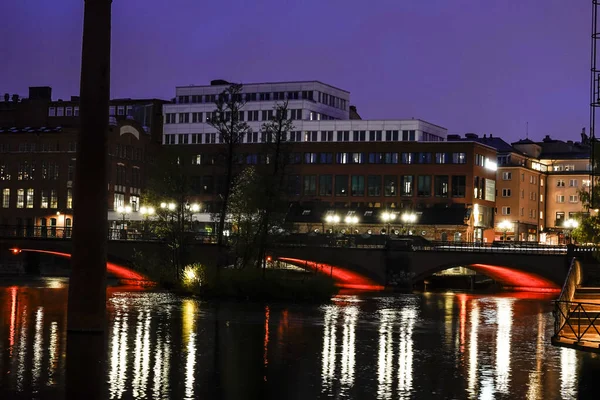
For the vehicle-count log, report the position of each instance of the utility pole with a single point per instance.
(87, 285)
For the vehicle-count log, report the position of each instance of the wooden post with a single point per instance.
(87, 286)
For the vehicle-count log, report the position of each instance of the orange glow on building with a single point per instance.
(344, 278)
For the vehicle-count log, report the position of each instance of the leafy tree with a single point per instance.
(588, 230)
(169, 190)
(276, 152)
(231, 130)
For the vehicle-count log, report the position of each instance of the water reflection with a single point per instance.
(161, 346)
(504, 317)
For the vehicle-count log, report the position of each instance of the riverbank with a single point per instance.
(253, 284)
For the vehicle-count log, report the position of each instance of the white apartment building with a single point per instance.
(320, 113)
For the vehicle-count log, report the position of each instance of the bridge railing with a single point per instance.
(496, 247)
(564, 306)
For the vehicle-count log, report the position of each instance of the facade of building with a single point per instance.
(340, 165)
(37, 162)
(538, 186)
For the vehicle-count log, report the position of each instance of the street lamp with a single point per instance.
(387, 218)
(123, 211)
(505, 227)
(409, 218)
(332, 219)
(569, 225)
(146, 212)
(351, 220)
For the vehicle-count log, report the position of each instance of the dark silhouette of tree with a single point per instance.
(276, 153)
(230, 131)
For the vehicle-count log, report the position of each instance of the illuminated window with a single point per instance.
(30, 195)
(69, 198)
(5, 198)
(53, 199)
(507, 176)
(44, 203)
(20, 198)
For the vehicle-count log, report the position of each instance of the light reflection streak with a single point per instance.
(449, 318)
(22, 354)
(348, 349)
(145, 352)
(534, 391)
(405, 352)
(568, 373)
(38, 343)
(189, 367)
(386, 354)
(266, 344)
(329, 347)
(504, 316)
(189, 338)
(137, 361)
(473, 356)
(118, 356)
(13, 320)
(52, 353)
(161, 362)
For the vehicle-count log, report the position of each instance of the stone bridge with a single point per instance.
(356, 266)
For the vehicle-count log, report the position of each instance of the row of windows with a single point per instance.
(532, 212)
(250, 115)
(48, 198)
(377, 185)
(532, 195)
(73, 111)
(301, 136)
(44, 147)
(560, 198)
(26, 171)
(119, 201)
(324, 98)
(129, 152)
(572, 183)
(345, 158)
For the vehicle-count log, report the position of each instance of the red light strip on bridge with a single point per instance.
(343, 278)
(117, 270)
(517, 280)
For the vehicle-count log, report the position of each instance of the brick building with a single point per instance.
(344, 165)
(38, 150)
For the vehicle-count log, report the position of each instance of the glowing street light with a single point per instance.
(351, 220)
(409, 218)
(387, 218)
(505, 227)
(332, 219)
(569, 225)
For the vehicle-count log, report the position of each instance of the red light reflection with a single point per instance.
(344, 278)
(127, 275)
(519, 281)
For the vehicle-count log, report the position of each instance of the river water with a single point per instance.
(161, 346)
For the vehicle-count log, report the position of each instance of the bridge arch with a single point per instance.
(508, 276)
(343, 277)
(126, 275)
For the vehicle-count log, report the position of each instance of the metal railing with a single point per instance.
(565, 308)
(578, 319)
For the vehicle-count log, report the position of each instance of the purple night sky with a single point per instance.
(468, 65)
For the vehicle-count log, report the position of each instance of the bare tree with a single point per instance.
(277, 157)
(231, 130)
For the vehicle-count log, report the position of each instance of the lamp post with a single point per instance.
(146, 212)
(387, 218)
(332, 219)
(351, 220)
(568, 226)
(123, 211)
(408, 218)
(505, 227)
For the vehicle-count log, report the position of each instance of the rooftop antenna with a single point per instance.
(527, 130)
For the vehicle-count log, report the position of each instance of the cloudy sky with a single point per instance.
(468, 65)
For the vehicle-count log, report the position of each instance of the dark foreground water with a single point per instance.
(160, 346)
